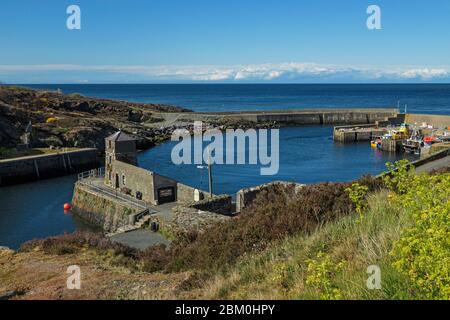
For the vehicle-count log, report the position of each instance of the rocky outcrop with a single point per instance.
(73, 120)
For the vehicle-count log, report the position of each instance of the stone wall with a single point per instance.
(245, 197)
(189, 194)
(218, 204)
(300, 116)
(102, 211)
(188, 218)
(46, 166)
(433, 157)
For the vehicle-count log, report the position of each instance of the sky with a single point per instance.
(221, 41)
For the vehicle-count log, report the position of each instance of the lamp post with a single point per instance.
(209, 173)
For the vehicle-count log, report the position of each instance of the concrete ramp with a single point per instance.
(140, 239)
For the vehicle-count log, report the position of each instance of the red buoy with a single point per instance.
(67, 206)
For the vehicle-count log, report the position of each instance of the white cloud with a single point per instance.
(425, 73)
(238, 73)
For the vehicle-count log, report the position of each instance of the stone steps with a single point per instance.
(138, 225)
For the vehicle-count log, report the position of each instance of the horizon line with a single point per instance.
(223, 83)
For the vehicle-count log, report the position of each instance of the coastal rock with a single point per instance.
(9, 295)
(77, 121)
(137, 116)
(5, 251)
(83, 107)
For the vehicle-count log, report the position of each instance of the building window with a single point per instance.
(123, 179)
(110, 159)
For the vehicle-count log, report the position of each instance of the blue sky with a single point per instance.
(224, 41)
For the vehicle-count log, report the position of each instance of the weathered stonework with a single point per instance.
(190, 218)
(101, 211)
(218, 204)
(32, 168)
(245, 197)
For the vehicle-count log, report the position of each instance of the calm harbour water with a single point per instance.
(307, 154)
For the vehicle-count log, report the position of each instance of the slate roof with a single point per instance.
(120, 136)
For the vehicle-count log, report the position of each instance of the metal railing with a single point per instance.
(94, 173)
(90, 179)
(114, 194)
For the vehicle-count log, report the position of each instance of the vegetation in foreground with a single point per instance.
(404, 229)
(315, 245)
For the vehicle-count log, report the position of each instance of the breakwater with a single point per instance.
(294, 117)
(31, 168)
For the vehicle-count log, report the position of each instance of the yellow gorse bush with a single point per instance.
(320, 272)
(423, 250)
(281, 275)
(51, 120)
(357, 194)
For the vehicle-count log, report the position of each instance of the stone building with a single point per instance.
(122, 147)
(123, 175)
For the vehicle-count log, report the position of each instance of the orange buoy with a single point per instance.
(67, 206)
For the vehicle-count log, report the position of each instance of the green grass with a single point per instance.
(280, 272)
(167, 233)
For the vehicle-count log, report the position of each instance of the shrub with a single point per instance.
(51, 120)
(74, 242)
(400, 175)
(357, 194)
(154, 258)
(320, 272)
(373, 184)
(423, 250)
(272, 216)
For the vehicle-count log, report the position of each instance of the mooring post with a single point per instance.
(70, 163)
(36, 168)
(64, 162)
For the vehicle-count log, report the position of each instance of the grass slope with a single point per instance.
(281, 271)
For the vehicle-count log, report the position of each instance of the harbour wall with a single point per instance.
(100, 210)
(436, 156)
(298, 117)
(354, 133)
(24, 169)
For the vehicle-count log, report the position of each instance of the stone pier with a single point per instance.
(31, 168)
